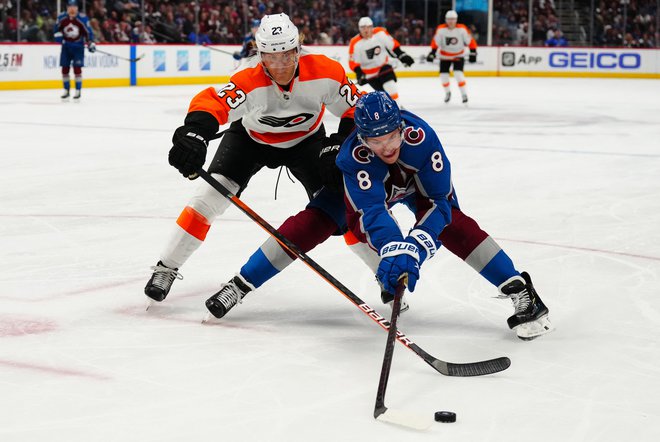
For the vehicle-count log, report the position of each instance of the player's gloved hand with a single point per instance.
(406, 59)
(472, 58)
(397, 258)
(91, 47)
(188, 151)
(361, 76)
(431, 57)
(331, 176)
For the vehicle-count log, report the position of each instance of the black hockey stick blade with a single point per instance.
(446, 368)
(463, 369)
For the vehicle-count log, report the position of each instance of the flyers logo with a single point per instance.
(451, 41)
(292, 121)
(371, 53)
(413, 135)
(362, 154)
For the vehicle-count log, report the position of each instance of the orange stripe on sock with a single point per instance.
(445, 84)
(461, 84)
(350, 238)
(194, 223)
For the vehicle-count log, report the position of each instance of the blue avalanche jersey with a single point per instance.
(73, 31)
(421, 179)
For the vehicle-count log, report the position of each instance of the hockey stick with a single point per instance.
(446, 368)
(132, 60)
(381, 412)
(218, 50)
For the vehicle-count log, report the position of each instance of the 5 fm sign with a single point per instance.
(11, 61)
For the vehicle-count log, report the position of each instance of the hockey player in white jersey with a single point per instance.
(275, 105)
(455, 42)
(369, 55)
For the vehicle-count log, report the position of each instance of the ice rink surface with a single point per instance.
(563, 173)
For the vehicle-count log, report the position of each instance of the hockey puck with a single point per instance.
(445, 416)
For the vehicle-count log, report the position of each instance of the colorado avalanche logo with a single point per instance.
(71, 31)
(362, 154)
(413, 136)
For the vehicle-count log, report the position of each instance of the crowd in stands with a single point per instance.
(321, 21)
(640, 24)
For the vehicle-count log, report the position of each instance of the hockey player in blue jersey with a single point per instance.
(73, 31)
(396, 157)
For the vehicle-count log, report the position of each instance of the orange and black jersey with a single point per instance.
(278, 117)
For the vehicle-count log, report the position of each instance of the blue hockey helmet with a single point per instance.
(377, 114)
(72, 3)
(255, 23)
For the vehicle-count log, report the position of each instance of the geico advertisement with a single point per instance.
(577, 60)
(42, 62)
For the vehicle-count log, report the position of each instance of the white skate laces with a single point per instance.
(163, 277)
(230, 295)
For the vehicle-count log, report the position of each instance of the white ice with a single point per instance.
(564, 173)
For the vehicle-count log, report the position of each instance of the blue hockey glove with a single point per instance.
(397, 258)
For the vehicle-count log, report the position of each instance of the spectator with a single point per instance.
(557, 40)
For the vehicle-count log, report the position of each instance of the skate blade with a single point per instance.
(208, 319)
(150, 302)
(534, 329)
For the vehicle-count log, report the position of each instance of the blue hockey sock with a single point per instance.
(499, 269)
(258, 269)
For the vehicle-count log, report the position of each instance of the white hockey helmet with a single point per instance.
(277, 33)
(364, 22)
(451, 14)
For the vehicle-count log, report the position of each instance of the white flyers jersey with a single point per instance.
(371, 54)
(453, 43)
(276, 117)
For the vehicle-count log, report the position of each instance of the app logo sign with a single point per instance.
(159, 61)
(205, 60)
(182, 61)
(508, 59)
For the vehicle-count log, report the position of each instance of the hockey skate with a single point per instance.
(464, 99)
(160, 283)
(530, 319)
(447, 96)
(76, 96)
(230, 294)
(65, 96)
(388, 299)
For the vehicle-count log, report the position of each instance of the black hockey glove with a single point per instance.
(91, 47)
(361, 76)
(472, 58)
(431, 57)
(188, 151)
(406, 59)
(331, 176)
